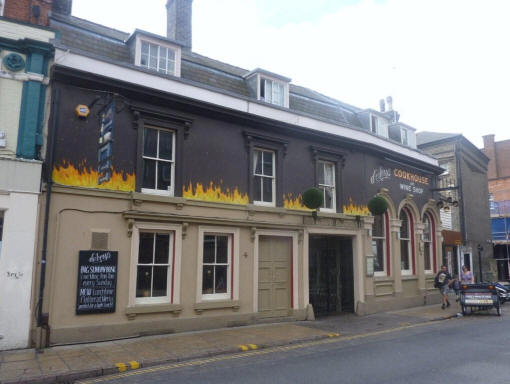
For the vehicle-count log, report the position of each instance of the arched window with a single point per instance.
(406, 243)
(428, 244)
(380, 245)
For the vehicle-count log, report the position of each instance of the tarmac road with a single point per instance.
(473, 349)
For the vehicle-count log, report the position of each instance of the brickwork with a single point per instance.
(499, 167)
(22, 10)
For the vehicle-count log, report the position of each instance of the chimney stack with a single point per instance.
(382, 105)
(63, 7)
(489, 149)
(389, 101)
(178, 22)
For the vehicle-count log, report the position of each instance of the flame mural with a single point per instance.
(214, 193)
(357, 210)
(83, 176)
(291, 202)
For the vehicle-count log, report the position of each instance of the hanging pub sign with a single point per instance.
(97, 282)
(104, 156)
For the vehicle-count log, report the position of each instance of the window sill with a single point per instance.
(409, 277)
(219, 304)
(139, 309)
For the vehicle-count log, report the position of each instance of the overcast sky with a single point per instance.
(445, 62)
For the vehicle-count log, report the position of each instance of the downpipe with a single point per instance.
(43, 318)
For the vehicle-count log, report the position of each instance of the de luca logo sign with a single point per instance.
(407, 181)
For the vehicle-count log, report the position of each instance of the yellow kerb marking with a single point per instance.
(121, 367)
(252, 346)
(243, 347)
(134, 364)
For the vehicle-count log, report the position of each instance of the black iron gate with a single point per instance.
(331, 277)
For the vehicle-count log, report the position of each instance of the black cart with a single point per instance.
(479, 296)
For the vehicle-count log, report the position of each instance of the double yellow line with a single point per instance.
(332, 338)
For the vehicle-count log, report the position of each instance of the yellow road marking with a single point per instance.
(291, 347)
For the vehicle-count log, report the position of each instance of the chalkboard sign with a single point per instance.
(97, 282)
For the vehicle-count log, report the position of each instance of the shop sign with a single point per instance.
(97, 282)
(407, 181)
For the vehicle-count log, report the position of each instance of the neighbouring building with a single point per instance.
(463, 200)
(26, 53)
(176, 193)
(499, 199)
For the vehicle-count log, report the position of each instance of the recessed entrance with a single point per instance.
(274, 296)
(331, 274)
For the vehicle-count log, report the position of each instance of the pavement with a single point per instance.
(66, 364)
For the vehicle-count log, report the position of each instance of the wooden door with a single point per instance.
(274, 276)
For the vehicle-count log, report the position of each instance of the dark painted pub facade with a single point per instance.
(196, 192)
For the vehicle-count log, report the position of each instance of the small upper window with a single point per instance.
(158, 161)
(157, 57)
(264, 177)
(272, 91)
(373, 124)
(446, 166)
(2, 4)
(403, 136)
(327, 185)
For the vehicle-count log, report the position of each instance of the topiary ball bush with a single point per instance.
(377, 205)
(313, 198)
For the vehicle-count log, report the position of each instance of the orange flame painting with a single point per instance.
(356, 210)
(84, 176)
(290, 202)
(214, 193)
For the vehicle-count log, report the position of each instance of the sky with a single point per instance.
(446, 63)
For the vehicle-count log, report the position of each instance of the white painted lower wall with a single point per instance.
(16, 265)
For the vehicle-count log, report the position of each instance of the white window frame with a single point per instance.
(323, 187)
(446, 167)
(409, 244)
(232, 293)
(431, 244)
(174, 269)
(2, 5)
(374, 119)
(272, 203)
(274, 80)
(384, 272)
(404, 134)
(175, 48)
(156, 191)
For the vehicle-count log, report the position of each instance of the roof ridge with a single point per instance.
(64, 18)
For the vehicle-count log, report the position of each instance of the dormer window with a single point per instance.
(373, 124)
(272, 91)
(156, 54)
(268, 87)
(158, 58)
(403, 136)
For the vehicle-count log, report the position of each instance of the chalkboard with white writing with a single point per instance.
(97, 282)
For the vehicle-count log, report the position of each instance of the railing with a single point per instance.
(500, 207)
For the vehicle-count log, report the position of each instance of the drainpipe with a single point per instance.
(43, 318)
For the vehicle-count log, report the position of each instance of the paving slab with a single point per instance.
(69, 363)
